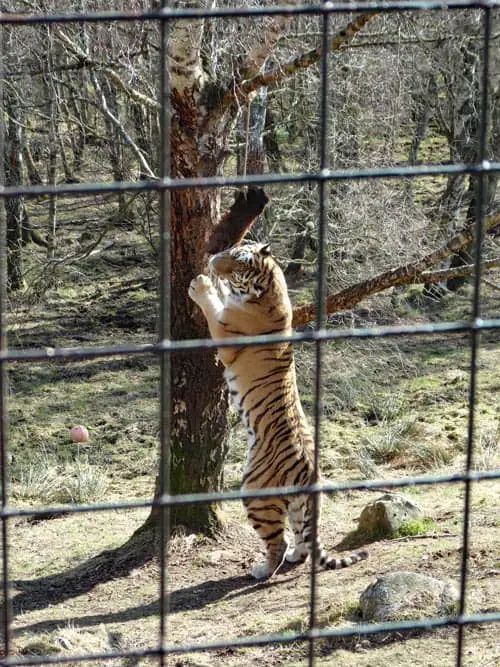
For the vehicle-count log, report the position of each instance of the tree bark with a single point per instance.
(198, 440)
(199, 423)
(14, 206)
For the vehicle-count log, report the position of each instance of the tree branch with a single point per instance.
(85, 60)
(103, 106)
(341, 40)
(271, 33)
(416, 272)
(458, 271)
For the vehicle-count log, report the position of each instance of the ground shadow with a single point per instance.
(186, 599)
(39, 593)
(354, 540)
(367, 642)
(36, 594)
(141, 548)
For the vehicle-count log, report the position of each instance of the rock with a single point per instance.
(385, 516)
(400, 596)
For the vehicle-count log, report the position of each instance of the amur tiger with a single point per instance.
(251, 298)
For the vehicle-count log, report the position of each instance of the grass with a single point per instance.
(391, 409)
(392, 439)
(45, 481)
(487, 453)
(37, 482)
(115, 399)
(333, 615)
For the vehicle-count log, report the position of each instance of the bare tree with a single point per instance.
(14, 206)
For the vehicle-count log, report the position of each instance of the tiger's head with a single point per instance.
(246, 269)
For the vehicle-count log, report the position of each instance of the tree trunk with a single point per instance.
(198, 441)
(78, 136)
(14, 206)
(256, 124)
(199, 432)
(460, 123)
(271, 145)
(115, 146)
(424, 107)
(464, 256)
(52, 171)
(34, 177)
(301, 243)
(199, 421)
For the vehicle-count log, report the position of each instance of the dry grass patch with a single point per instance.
(391, 410)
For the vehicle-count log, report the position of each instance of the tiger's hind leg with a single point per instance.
(268, 519)
(323, 558)
(300, 551)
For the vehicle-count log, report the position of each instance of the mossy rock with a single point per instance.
(415, 527)
(386, 516)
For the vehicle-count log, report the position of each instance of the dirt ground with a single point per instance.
(212, 598)
(392, 409)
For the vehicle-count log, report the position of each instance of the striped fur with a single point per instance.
(262, 384)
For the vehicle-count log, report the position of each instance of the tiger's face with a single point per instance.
(246, 269)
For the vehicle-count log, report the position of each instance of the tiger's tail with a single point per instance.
(331, 563)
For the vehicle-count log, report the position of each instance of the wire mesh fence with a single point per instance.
(165, 346)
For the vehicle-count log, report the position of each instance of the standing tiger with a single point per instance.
(262, 383)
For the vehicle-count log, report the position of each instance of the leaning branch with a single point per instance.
(416, 272)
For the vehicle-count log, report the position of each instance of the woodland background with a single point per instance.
(80, 106)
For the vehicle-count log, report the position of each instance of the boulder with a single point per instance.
(398, 596)
(385, 516)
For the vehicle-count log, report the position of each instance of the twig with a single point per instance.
(103, 106)
(86, 61)
(431, 536)
(242, 90)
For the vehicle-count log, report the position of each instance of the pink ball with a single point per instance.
(79, 434)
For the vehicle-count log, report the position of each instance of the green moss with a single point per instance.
(415, 527)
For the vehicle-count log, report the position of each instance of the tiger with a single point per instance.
(245, 294)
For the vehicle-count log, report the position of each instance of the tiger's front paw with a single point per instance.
(200, 288)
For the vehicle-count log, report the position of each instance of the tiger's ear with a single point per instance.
(265, 250)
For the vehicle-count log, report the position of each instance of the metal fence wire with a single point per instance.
(319, 335)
